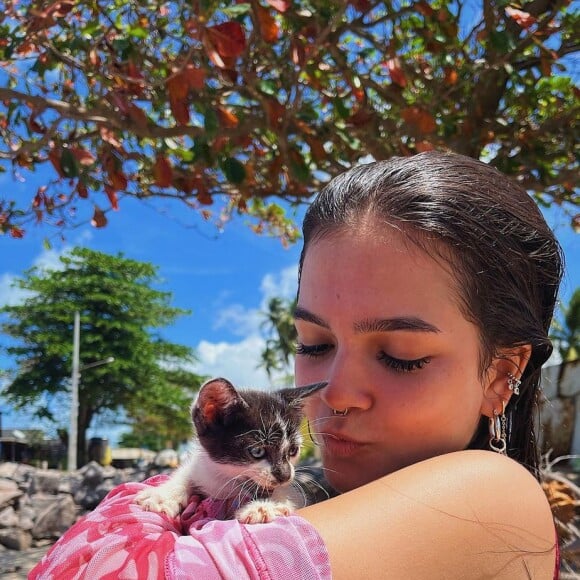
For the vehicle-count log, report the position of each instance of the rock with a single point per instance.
(45, 481)
(55, 517)
(8, 518)
(38, 505)
(7, 496)
(15, 539)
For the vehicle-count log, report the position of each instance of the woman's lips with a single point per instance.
(339, 446)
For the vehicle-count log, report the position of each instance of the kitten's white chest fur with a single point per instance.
(201, 473)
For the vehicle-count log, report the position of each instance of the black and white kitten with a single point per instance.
(247, 444)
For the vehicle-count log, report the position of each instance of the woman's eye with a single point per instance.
(312, 350)
(403, 365)
(257, 452)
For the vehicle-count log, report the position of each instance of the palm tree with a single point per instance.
(280, 332)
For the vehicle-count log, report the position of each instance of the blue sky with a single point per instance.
(224, 278)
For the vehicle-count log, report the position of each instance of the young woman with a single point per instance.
(427, 287)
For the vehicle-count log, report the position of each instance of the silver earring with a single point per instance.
(342, 413)
(498, 431)
(514, 384)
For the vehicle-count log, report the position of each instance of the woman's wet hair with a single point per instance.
(488, 232)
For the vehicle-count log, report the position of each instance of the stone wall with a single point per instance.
(39, 505)
(560, 410)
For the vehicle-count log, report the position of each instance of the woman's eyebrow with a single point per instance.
(410, 323)
(303, 314)
(398, 323)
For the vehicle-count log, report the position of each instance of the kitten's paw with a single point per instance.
(157, 499)
(263, 511)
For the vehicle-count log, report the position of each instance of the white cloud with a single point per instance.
(239, 320)
(237, 362)
(243, 321)
(282, 285)
(48, 259)
(9, 294)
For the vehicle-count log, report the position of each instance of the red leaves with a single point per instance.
(83, 156)
(117, 179)
(162, 171)
(280, 5)
(195, 77)
(82, 190)
(396, 72)
(112, 195)
(180, 110)
(99, 218)
(228, 38)
(451, 76)
(226, 118)
(419, 118)
(223, 43)
(179, 85)
(524, 19)
(54, 157)
(16, 232)
(268, 26)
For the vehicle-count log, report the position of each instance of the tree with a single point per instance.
(163, 413)
(279, 327)
(120, 315)
(228, 106)
(566, 329)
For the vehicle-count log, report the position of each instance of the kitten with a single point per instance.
(247, 444)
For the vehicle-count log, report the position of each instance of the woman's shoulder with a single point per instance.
(463, 514)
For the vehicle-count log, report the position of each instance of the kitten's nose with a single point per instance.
(282, 473)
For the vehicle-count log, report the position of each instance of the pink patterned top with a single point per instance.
(121, 540)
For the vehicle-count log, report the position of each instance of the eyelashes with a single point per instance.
(396, 364)
(401, 365)
(312, 350)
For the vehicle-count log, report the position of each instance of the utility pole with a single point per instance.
(74, 392)
(74, 403)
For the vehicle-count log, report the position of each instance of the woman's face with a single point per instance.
(378, 319)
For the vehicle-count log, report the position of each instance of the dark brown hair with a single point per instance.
(507, 263)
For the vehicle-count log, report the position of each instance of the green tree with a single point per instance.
(162, 414)
(121, 314)
(280, 335)
(566, 329)
(230, 107)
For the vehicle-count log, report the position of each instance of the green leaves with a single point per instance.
(233, 169)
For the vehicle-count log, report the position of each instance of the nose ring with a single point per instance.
(342, 413)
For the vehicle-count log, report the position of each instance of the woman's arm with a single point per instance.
(119, 539)
(470, 514)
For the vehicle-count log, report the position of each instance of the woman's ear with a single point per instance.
(496, 389)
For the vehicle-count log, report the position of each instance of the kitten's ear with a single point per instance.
(295, 396)
(214, 401)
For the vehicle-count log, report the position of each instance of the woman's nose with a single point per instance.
(348, 385)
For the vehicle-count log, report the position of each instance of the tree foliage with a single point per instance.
(278, 326)
(162, 415)
(120, 313)
(233, 106)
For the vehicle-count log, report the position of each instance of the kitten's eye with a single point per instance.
(257, 452)
(293, 451)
